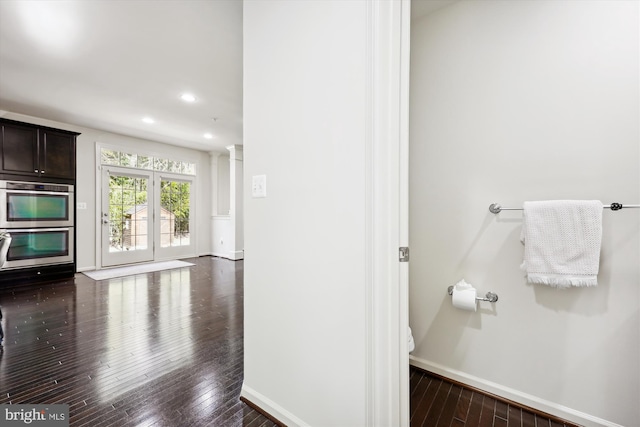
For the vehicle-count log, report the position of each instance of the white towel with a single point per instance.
(562, 242)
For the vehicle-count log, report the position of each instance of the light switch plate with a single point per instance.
(81, 205)
(259, 186)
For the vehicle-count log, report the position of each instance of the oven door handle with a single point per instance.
(48, 193)
(35, 230)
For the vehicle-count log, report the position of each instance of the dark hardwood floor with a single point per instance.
(436, 401)
(166, 349)
(155, 349)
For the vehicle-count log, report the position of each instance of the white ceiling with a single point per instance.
(106, 64)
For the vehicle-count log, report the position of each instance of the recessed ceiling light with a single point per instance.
(187, 97)
(148, 120)
(208, 136)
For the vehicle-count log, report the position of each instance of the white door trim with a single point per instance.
(98, 206)
(387, 363)
(403, 177)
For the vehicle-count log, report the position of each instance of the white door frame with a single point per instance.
(387, 400)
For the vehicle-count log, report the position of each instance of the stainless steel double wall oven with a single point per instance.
(40, 219)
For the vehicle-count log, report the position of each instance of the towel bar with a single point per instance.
(489, 296)
(495, 208)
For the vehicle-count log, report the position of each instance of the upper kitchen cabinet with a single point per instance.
(40, 152)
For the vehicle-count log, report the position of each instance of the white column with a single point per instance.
(213, 161)
(236, 211)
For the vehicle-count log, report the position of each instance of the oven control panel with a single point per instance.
(35, 186)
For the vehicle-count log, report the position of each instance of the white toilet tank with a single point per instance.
(412, 344)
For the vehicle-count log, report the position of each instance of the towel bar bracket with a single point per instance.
(495, 208)
(489, 296)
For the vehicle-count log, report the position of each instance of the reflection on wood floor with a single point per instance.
(162, 348)
(437, 401)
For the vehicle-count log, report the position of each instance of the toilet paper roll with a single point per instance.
(464, 299)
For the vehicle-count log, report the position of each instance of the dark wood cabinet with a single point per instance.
(58, 154)
(19, 149)
(39, 152)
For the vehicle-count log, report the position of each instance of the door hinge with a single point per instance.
(404, 254)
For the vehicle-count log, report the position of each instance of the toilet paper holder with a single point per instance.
(489, 296)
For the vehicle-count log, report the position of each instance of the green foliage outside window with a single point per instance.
(126, 195)
(138, 161)
(174, 197)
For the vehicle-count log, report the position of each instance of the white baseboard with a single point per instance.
(81, 269)
(514, 395)
(271, 408)
(233, 256)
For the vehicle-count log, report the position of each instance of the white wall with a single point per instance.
(86, 182)
(221, 236)
(304, 128)
(515, 101)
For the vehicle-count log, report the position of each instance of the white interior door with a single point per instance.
(127, 218)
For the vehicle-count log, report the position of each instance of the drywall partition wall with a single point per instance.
(86, 182)
(221, 236)
(304, 262)
(321, 348)
(515, 101)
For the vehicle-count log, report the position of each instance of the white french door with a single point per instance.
(127, 216)
(146, 216)
(174, 221)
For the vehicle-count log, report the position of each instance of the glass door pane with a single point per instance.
(175, 228)
(38, 243)
(37, 207)
(127, 217)
(174, 213)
